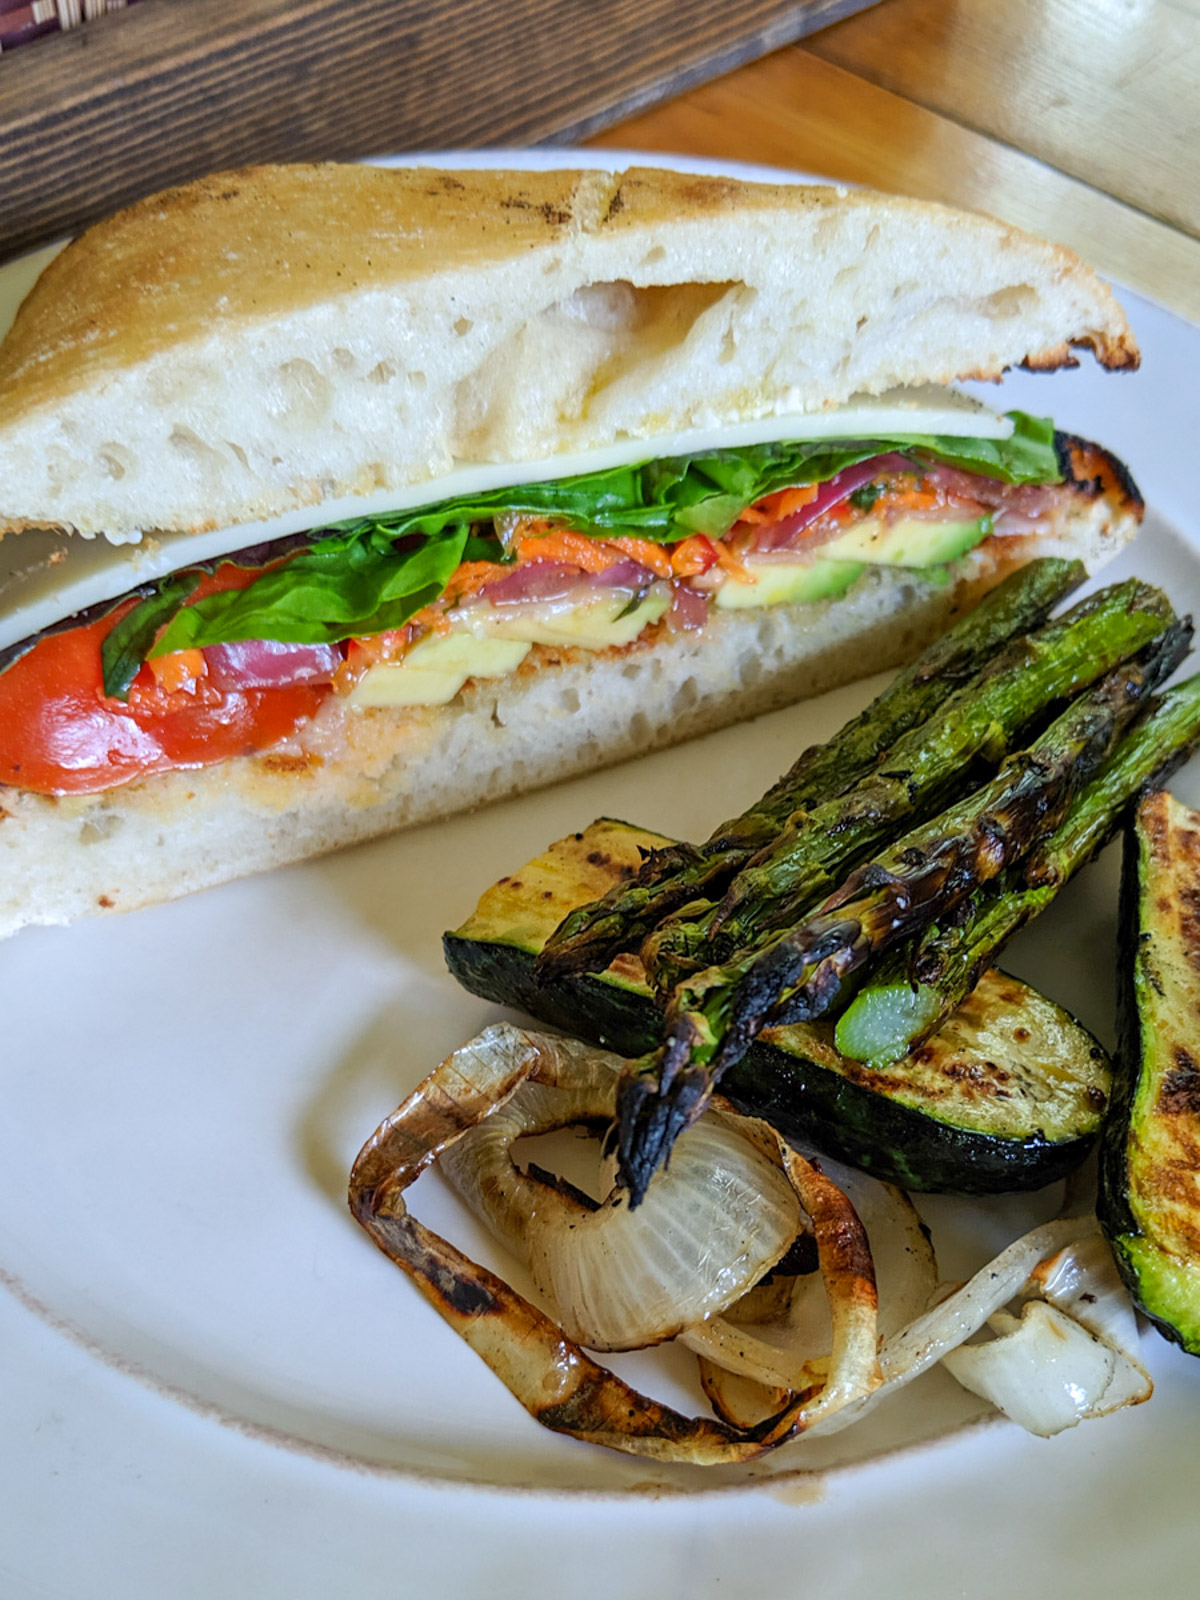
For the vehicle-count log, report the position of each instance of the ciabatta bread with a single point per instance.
(280, 337)
(353, 775)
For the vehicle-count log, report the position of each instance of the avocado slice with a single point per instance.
(779, 583)
(908, 542)
(1150, 1165)
(605, 620)
(435, 669)
(491, 641)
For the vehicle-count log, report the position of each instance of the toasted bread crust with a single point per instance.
(267, 339)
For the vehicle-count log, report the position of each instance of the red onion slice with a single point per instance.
(831, 494)
(268, 664)
(624, 575)
(556, 580)
(689, 610)
(535, 580)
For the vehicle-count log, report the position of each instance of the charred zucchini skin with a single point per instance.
(1149, 1203)
(850, 1113)
(804, 1100)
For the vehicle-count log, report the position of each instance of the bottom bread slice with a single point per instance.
(353, 775)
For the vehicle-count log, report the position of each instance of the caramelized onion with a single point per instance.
(772, 1345)
(797, 1353)
(622, 1279)
(549, 1373)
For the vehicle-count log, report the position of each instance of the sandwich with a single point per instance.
(336, 498)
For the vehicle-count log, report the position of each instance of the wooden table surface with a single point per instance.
(1077, 119)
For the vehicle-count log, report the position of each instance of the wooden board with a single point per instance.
(1109, 94)
(162, 92)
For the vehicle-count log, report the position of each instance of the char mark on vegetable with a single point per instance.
(798, 969)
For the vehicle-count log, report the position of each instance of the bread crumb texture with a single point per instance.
(271, 339)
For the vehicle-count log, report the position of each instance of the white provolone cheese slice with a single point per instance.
(47, 576)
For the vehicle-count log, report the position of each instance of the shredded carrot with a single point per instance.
(179, 670)
(362, 654)
(732, 564)
(433, 618)
(783, 503)
(590, 555)
(910, 500)
(788, 501)
(473, 576)
(595, 555)
(348, 674)
(150, 698)
(648, 554)
(775, 507)
(693, 556)
(389, 646)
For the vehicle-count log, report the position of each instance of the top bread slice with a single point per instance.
(281, 337)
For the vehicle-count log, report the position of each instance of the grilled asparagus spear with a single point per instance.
(714, 1017)
(588, 939)
(923, 769)
(929, 764)
(914, 991)
(931, 869)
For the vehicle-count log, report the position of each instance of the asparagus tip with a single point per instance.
(653, 1109)
(587, 950)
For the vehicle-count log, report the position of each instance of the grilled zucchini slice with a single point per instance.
(1150, 1166)
(1008, 1096)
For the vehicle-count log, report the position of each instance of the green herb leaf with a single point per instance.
(127, 645)
(864, 497)
(340, 588)
(1028, 456)
(632, 603)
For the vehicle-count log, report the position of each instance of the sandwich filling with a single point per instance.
(233, 654)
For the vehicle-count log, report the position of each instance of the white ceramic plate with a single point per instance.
(212, 1384)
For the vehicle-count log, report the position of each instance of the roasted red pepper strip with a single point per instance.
(60, 733)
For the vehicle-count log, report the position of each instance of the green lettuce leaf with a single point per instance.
(126, 646)
(1028, 456)
(373, 574)
(339, 588)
